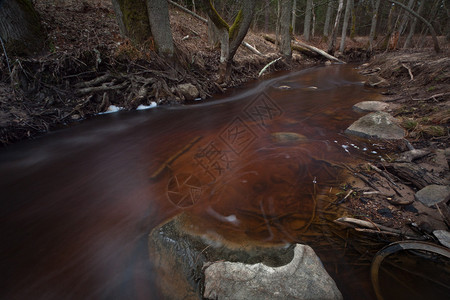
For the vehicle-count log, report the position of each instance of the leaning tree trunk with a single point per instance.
(332, 42)
(307, 25)
(413, 26)
(326, 26)
(294, 17)
(405, 18)
(345, 25)
(20, 27)
(132, 17)
(373, 27)
(286, 14)
(158, 13)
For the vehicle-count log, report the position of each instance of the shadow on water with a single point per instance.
(259, 165)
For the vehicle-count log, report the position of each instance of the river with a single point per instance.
(255, 164)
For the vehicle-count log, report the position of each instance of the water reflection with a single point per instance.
(257, 166)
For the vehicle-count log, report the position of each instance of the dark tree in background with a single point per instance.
(20, 27)
(140, 20)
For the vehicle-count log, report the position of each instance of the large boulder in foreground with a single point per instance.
(303, 278)
(192, 266)
(379, 125)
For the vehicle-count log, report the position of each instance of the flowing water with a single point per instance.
(257, 165)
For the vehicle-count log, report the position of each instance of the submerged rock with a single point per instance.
(380, 125)
(433, 194)
(287, 138)
(303, 278)
(370, 106)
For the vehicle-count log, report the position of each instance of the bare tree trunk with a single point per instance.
(353, 17)
(326, 26)
(332, 41)
(373, 27)
(432, 16)
(132, 17)
(413, 26)
(294, 17)
(405, 18)
(266, 16)
(313, 13)
(158, 13)
(231, 36)
(345, 25)
(286, 14)
(20, 27)
(389, 29)
(307, 25)
(277, 25)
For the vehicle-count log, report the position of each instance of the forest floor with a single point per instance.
(90, 67)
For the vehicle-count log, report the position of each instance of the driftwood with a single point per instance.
(267, 66)
(251, 48)
(104, 87)
(411, 155)
(413, 173)
(317, 50)
(370, 227)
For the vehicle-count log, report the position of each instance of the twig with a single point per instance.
(409, 71)
(188, 11)
(251, 48)
(94, 81)
(346, 196)
(171, 159)
(267, 66)
(376, 231)
(6, 55)
(102, 88)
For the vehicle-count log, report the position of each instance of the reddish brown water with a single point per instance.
(78, 204)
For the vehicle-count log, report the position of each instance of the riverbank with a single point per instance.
(90, 68)
(407, 190)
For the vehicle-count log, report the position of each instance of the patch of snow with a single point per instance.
(111, 109)
(142, 107)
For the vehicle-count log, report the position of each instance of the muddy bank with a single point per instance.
(389, 191)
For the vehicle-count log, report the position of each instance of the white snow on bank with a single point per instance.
(142, 107)
(111, 109)
(114, 108)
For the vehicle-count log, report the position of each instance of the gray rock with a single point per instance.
(443, 236)
(188, 90)
(178, 257)
(379, 125)
(433, 194)
(369, 106)
(303, 278)
(411, 155)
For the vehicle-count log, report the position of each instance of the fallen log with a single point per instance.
(317, 50)
(302, 50)
(415, 174)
